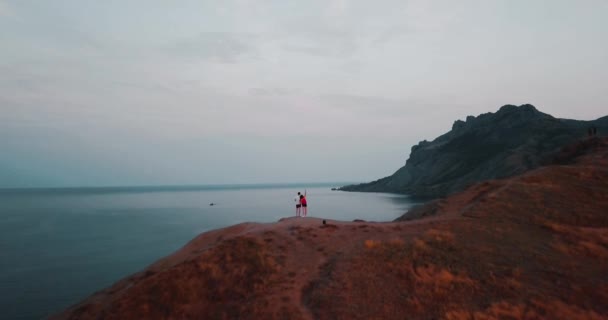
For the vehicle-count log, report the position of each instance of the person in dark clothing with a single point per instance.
(590, 132)
(594, 131)
(298, 204)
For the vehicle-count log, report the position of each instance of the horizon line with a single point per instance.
(175, 187)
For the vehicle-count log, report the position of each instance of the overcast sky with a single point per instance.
(210, 92)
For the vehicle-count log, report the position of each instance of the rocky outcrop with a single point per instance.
(511, 141)
(533, 246)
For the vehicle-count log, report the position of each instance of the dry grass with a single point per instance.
(221, 284)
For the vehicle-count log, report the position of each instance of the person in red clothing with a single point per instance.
(304, 204)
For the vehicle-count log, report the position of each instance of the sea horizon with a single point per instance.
(173, 187)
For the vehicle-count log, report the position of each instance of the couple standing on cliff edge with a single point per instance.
(301, 205)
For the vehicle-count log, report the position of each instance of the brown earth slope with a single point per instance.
(529, 247)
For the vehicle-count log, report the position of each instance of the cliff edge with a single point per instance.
(534, 246)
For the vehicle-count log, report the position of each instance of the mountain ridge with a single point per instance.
(511, 141)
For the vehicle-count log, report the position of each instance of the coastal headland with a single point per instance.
(533, 246)
(493, 145)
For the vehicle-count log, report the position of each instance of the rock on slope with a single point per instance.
(492, 145)
(533, 246)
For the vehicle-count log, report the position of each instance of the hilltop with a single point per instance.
(509, 142)
(527, 247)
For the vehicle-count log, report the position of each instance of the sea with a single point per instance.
(58, 246)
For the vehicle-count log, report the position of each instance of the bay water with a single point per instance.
(58, 246)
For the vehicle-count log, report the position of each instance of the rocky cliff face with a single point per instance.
(493, 145)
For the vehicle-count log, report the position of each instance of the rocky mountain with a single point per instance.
(534, 246)
(511, 141)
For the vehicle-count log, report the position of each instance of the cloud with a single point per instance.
(6, 10)
(319, 38)
(371, 105)
(337, 8)
(109, 72)
(422, 15)
(276, 91)
(222, 47)
(339, 45)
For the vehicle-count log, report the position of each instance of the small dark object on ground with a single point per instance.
(212, 204)
(329, 226)
(324, 222)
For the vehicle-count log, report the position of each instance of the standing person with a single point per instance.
(298, 204)
(304, 204)
(594, 131)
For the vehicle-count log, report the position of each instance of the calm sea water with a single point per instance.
(58, 246)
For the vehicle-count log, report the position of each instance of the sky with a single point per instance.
(123, 93)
